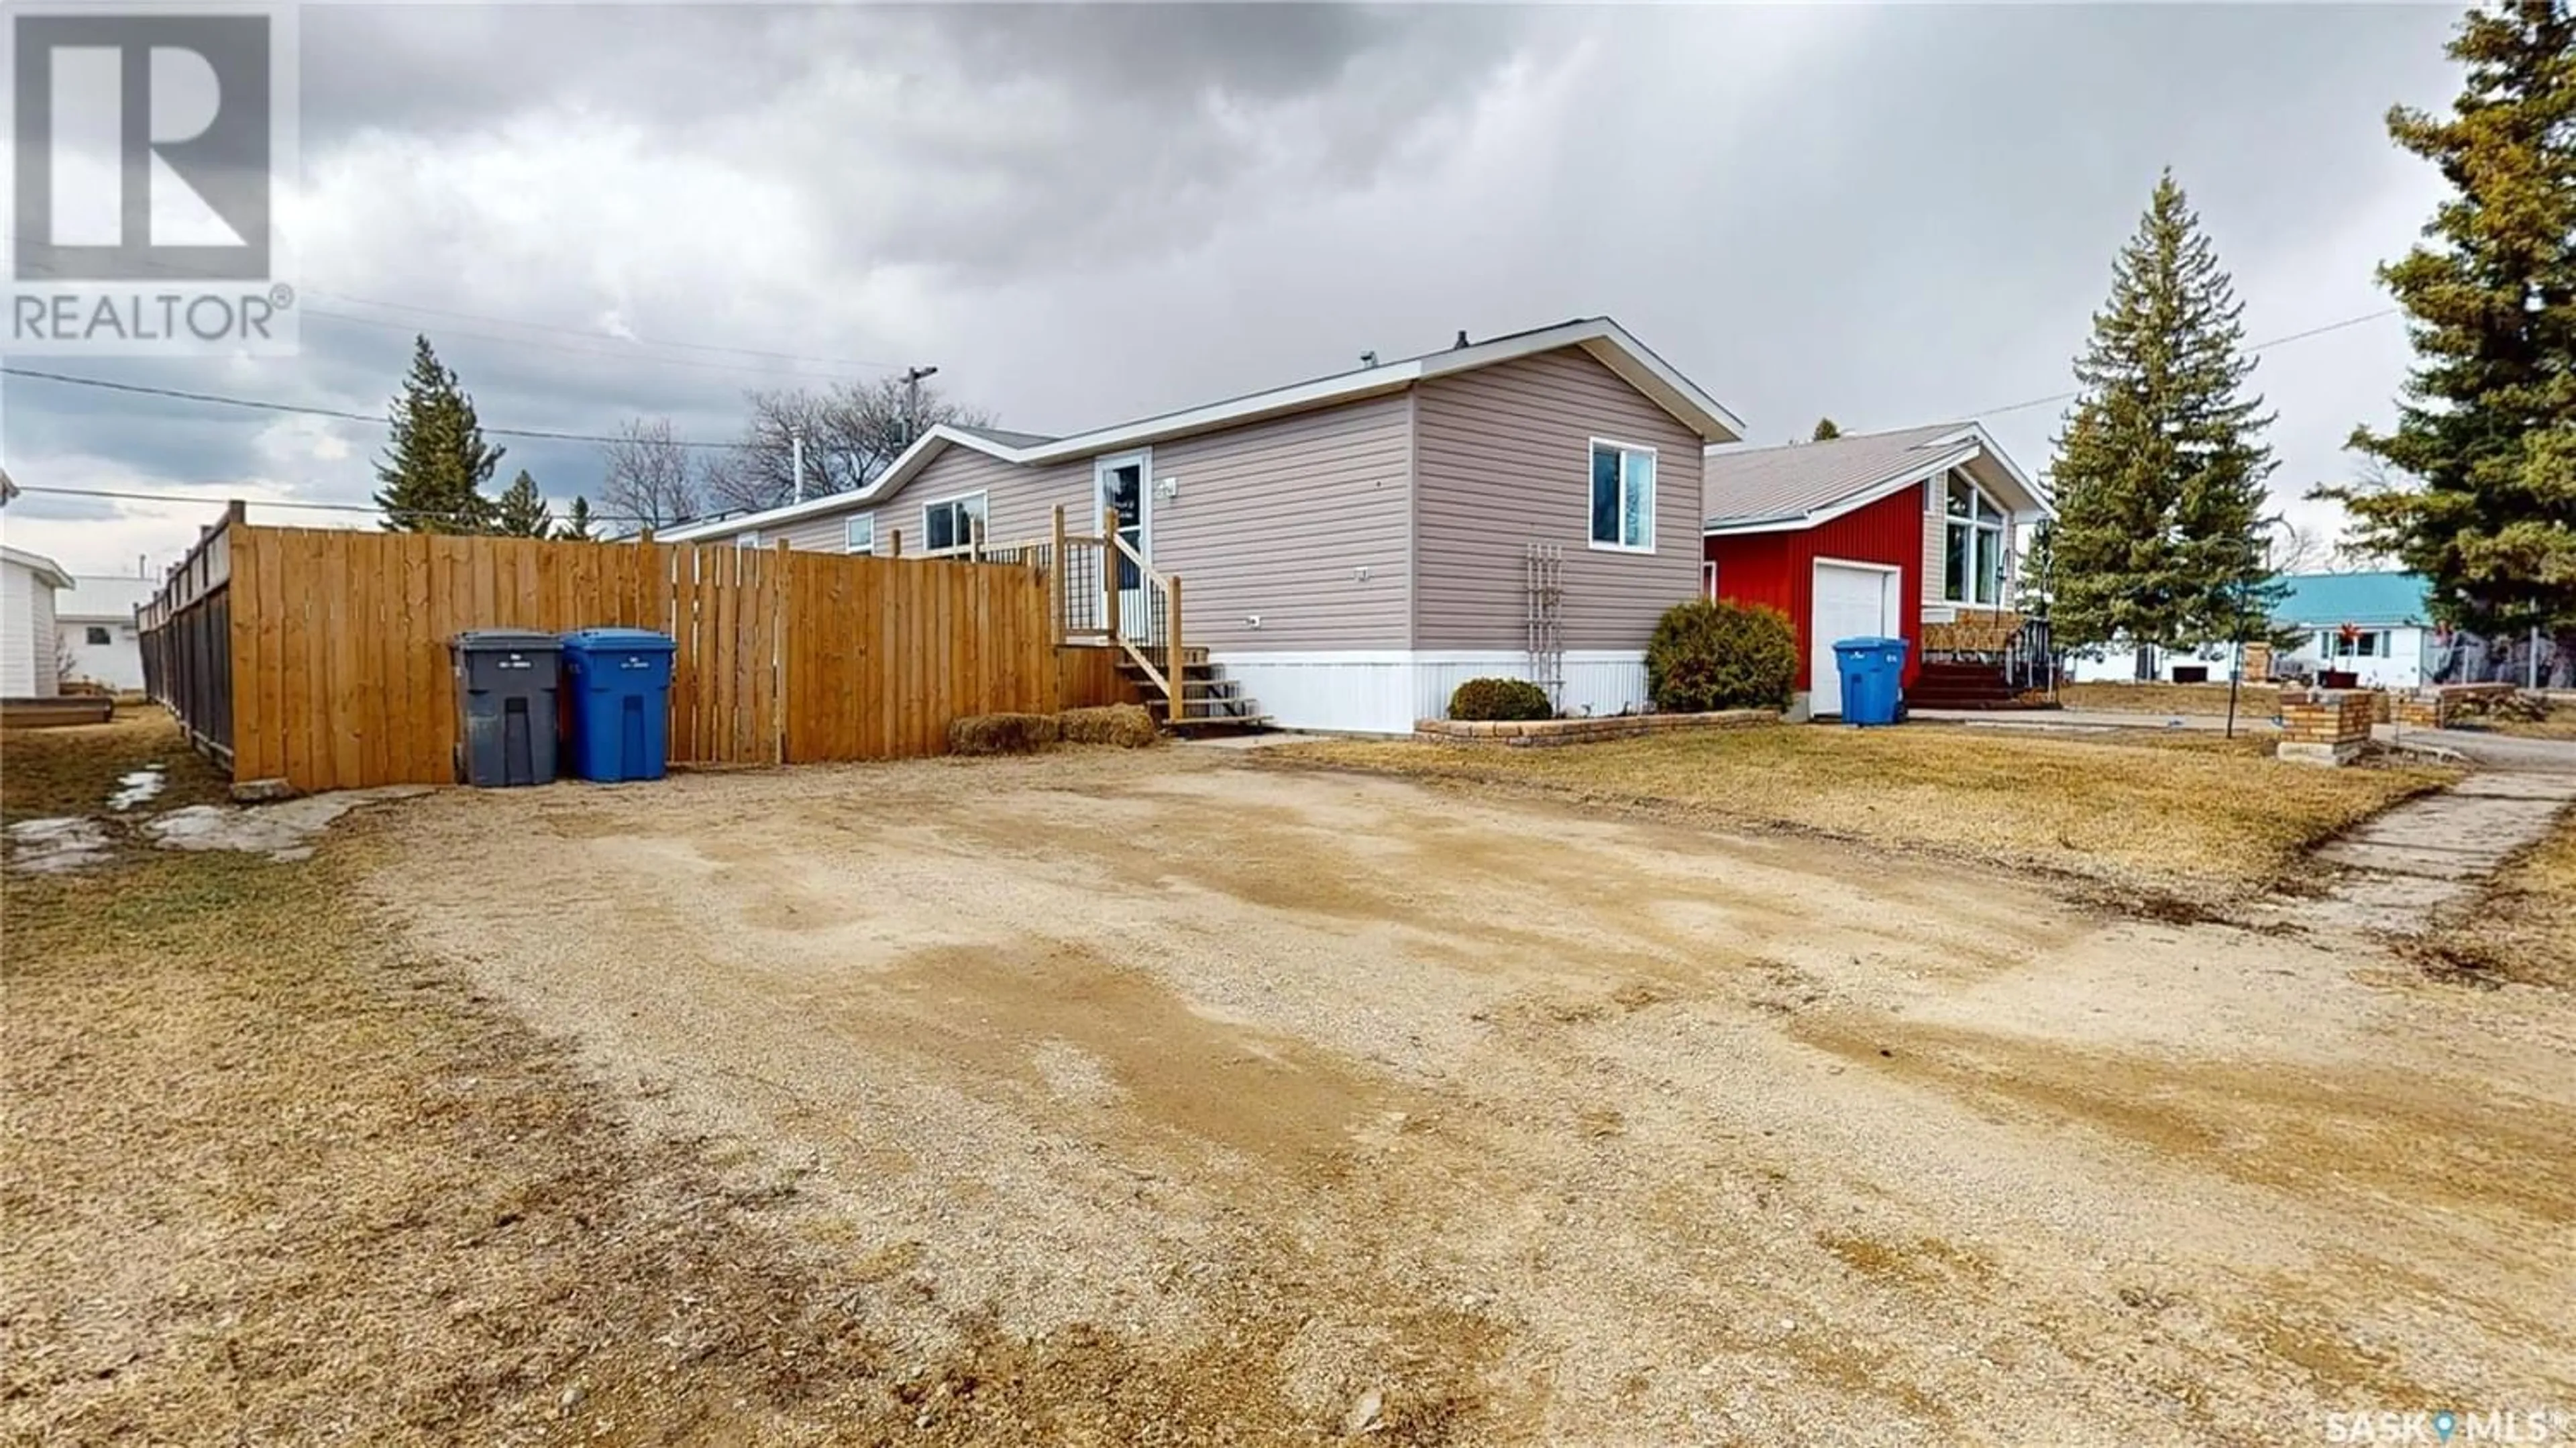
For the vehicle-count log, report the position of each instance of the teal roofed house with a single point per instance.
(2378, 627)
(2391, 641)
(2375, 626)
(2329, 600)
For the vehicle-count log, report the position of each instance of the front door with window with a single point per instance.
(1122, 490)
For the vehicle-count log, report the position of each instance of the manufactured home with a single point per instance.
(1355, 546)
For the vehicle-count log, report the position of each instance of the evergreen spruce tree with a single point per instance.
(435, 462)
(2486, 431)
(576, 524)
(2159, 473)
(523, 512)
(1825, 431)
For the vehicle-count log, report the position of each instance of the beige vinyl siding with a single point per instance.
(1019, 505)
(1280, 519)
(1504, 459)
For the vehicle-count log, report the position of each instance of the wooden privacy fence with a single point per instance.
(339, 676)
(185, 637)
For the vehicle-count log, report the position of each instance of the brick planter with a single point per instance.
(1545, 733)
(2429, 710)
(2324, 726)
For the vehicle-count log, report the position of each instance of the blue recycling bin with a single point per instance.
(1873, 671)
(617, 717)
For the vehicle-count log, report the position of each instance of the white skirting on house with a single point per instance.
(1382, 691)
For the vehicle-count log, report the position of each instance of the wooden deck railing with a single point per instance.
(1089, 606)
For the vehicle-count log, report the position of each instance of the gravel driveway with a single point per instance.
(1350, 1103)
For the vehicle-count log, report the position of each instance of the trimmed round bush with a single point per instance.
(1721, 655)
(1499, 699)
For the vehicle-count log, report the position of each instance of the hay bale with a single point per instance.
(1001, 733)
(1129, 726)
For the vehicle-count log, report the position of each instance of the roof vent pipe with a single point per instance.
(1462, 339)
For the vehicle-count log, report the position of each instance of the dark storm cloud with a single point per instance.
(1087, 213)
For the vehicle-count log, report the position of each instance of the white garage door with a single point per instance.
(1852, 600)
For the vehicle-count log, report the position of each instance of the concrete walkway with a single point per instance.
(2435, 851)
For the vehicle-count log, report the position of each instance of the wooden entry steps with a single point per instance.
(1210, 702)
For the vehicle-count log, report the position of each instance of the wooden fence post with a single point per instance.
(1059, 599)
(896, 548)
(779, 649)
(1109, 570)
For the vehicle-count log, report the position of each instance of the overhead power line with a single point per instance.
(412, 513)
(2258, 349)
(621, 347)
(298, 409)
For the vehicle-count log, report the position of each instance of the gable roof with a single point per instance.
(47, 571)
(1606, 341)
(2327, 600)
(1799, 485)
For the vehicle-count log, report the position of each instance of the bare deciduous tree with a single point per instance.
(2290, 548)
(853, 431)
(647, 477)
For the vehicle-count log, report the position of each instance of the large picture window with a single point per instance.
(1972, 568)
(1623, 497)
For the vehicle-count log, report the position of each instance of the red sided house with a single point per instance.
(1875, 533)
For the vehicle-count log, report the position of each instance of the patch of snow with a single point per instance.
(282, 831)
(137, 787)
(51, 846)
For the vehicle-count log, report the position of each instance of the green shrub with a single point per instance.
(1499, 699)
(1721, 656)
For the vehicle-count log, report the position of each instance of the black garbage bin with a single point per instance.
(505, 706)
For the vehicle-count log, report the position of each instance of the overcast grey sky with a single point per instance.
(1081, 214)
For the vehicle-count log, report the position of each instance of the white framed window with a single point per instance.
(748, 538)
(1623, 496)
(859, 535)
(97, 635)
(1708, 580)
(2367, 644)
(948, 524)
(1973, 544)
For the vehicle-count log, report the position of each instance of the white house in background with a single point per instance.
(97, 623)
(2375, 626)
(27, 584)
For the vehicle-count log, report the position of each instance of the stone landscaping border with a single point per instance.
(1545, 733)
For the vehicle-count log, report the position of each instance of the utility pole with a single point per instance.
(912, 401)
(796, 459)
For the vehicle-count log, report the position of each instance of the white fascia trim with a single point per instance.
(1651, 375)
(1822, 561)
(2036, 496)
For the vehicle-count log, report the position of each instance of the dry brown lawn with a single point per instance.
(2161, 810)
(2560, 724)
(71, 771)
(2254, 701)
